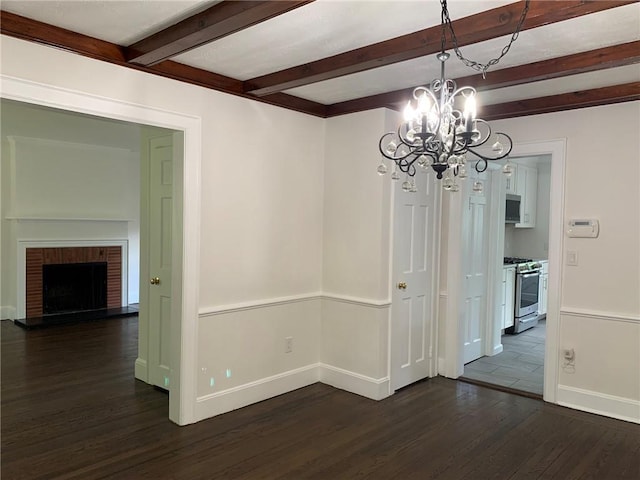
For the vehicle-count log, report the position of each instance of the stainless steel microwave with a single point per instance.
(512, 209)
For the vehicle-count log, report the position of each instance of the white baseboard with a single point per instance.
(237, 397)
(497, 349)
(7, 313)
(602, 404)
(141, 371)
(373, 388)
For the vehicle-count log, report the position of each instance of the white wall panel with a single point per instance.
(243, 345)
(355, 337)
(598, 366)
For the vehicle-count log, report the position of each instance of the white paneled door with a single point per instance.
(474, 267)
(413, 276)
(160, 216)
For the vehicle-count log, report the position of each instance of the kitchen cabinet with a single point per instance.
(527, 187)
(512, 180)
(543, 288)
(508, 293)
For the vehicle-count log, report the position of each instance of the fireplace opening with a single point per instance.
(74, 287)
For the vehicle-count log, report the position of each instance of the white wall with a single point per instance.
(599, 302)
(356, 239)
(61, 166)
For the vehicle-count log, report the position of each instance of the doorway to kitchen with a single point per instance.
(518, 307)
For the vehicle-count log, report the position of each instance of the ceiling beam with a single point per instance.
(566, 101)
(599, 59)
(218, 21)
(472, 29)
(38, 32)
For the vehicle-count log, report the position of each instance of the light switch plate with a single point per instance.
(572, 258)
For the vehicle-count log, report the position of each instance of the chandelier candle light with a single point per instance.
(436, 134)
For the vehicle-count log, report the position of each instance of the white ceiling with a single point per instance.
(117, 21)
(327, 27)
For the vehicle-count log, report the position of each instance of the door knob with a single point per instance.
(402, 285)
(155, 281)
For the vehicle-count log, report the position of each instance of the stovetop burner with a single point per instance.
(516, 260)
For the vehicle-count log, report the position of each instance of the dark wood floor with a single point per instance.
(72, 410)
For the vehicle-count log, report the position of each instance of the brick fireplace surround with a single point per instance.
(37, 257)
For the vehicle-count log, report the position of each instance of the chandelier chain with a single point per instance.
(478, 66)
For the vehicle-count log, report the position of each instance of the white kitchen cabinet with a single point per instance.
(503, 297)
(512, 183)
(527, 188)
(543, 288)
(508, 292)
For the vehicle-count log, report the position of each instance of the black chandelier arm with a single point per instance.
(502, 155)
(390, 136)
(483, 165)
(406, 166)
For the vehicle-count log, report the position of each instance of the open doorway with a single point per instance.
(77, 209)
(517, 311)
(185, 211)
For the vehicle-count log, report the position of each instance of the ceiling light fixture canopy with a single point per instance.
(437, 133)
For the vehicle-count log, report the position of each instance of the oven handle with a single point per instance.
(527, 275)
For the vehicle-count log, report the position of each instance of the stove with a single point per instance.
(523, 265)
(516, 260)
(526, 293)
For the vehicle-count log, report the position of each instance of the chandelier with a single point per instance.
(437, 133)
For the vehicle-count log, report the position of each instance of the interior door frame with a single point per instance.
(186, 230)
(451, 364)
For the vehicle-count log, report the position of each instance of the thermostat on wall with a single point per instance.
(584, 228)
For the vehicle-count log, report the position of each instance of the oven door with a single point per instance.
(526, 293)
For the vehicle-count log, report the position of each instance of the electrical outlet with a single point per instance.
(288, 344)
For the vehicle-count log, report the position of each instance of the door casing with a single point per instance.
(451, 363)
(186, 247)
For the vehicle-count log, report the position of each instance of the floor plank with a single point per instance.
(71, 409)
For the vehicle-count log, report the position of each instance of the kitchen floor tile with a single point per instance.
(519, 366)
(481, 367)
